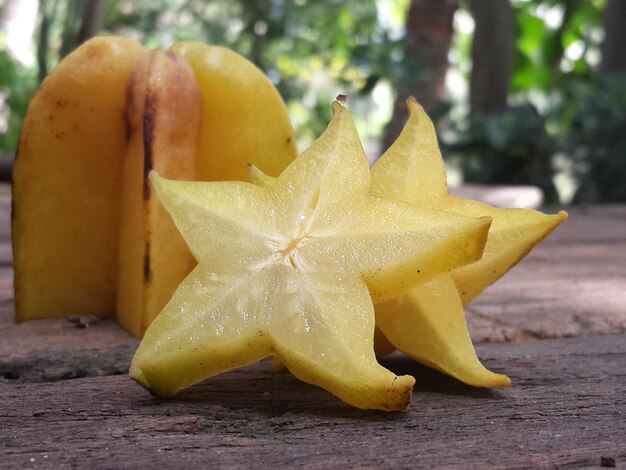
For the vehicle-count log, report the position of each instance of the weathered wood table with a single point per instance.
(555, 325)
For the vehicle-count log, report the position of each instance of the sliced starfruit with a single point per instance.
(89, 237)
(67, 184)
(428, 323)
(288, 270)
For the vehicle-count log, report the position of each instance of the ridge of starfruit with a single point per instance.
(428, 323)
(291, 269)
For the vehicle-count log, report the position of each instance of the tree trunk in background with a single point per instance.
(71, 24)
(429, 33)
(614, 44)
(47, 13)
(492, 55)
(91, 22)
(83, 20)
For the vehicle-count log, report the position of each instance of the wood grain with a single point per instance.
(565, 409)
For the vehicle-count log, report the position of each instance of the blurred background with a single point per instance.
(523, 92)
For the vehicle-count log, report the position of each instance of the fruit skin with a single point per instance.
(164, 118)
(428, 323)
(285, 270)
(244, 118)
(68, 180)
(66, 184)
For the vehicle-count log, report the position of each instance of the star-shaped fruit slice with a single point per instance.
(428, 323)
(291, 271)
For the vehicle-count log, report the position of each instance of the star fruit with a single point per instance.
(428, 323)
(89, 236)
(291, 270)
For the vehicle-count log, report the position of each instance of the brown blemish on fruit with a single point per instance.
(289, 139)
(170, 54)
(147, 270)
(149, 121)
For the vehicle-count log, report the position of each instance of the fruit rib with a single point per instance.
(244, 118)
(438, 336)
(66, 198)
(163, 115)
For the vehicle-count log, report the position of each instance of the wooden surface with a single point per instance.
(555, 325)
(564, 409)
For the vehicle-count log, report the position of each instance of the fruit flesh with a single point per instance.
(265, 285)
(412, 170)
(434, 330)
(439, 340)
(66, 185)
(164, 116)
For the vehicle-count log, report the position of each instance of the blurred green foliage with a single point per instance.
(17, 86)
(311, 50)
(555, 42)
(509, 147)
(591, 132)
(565, 123)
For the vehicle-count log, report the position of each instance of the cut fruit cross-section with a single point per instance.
(428, 323)
(285, 270)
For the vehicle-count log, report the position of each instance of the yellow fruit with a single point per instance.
(164, 116)
(428, 323)
(285, 270)
(244, 117)
(258, 177)
(67, 182)
(84, 155)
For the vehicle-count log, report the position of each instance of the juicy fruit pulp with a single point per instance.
(83, 167)
(288, 270)
(428, 323)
